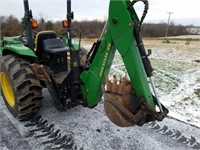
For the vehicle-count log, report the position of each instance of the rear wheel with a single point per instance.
(20, 89)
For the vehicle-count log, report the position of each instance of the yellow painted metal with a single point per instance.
(7, 89)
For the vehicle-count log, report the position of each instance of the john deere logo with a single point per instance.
(75, 63)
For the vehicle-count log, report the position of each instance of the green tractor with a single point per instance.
(74, 76)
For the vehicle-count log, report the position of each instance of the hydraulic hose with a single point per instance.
(145, 60)
(146, 7)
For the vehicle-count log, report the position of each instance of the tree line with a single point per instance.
(11, 26)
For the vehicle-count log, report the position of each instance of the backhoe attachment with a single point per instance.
(122, 103)
(126, 103)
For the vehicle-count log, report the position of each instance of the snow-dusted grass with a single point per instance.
(176, 75)
(185, 37)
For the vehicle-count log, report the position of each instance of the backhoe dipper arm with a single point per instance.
(120, 35)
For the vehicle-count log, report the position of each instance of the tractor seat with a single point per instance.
(54, 46)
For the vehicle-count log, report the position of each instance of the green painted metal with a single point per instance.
(124, 41)
(1, 43)
(11, 39)
(14, 45)
(75, 45)
(94, 78)
(119, 36)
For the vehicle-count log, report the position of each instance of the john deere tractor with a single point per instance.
(74, 76)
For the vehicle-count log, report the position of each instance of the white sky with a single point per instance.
(185, 11)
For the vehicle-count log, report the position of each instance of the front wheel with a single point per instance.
(20, 89)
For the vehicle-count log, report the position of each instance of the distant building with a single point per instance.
(194, 30)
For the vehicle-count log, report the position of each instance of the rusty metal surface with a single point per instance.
(122, 106)
(40, 72)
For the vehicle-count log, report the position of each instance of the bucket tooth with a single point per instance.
(122, 86)
(114, 79)
(108, 84)
(115, 85)
(125, 86)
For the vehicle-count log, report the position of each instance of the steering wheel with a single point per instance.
(24, 37)
(25, 34)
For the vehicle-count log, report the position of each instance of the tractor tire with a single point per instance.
(21, 90)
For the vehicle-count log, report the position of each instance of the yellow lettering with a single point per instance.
(105, 60)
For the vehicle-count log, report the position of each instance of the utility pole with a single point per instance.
(168, 24)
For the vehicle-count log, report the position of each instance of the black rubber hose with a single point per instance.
(146, 7)
(145, 60)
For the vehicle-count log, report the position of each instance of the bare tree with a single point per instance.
(11, 27)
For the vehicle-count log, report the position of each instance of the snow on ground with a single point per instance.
(92, 130)
(176, 75)
(177, 78)
(185, 37)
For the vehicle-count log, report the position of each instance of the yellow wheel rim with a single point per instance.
(7, 89)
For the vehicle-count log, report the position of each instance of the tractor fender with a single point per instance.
(18, 48)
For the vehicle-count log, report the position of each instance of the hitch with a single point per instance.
(42, 75)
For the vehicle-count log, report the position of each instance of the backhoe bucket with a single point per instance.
(118, 109)
(122, 106)
(120, 102)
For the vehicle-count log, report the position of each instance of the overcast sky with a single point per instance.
(185, 11)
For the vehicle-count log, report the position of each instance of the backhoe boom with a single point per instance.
(120, 35)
